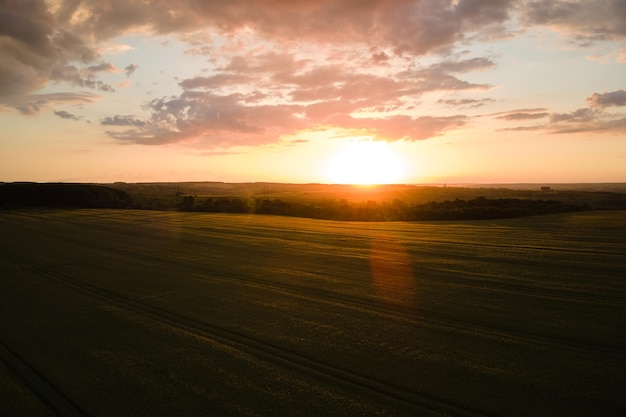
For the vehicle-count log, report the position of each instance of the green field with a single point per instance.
(148, 313)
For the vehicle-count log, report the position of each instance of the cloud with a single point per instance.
(25, 28)
(467, 103)
(422, 27)
(405, 26)
(523, 116)
(586, 21)
(102, 67)
(206, 119)
(613, 98)
(355, 65)
(616, 126)
(37, 49)
(34, 103)
(523, 128)
(587, 120)
(582, 120)
(258, 98)
(81, 77)
(430, 80)
(380, 57)
(400, 126)
(66, 115)
(67, 97)
(215, 81)
(467, 65)
(130, 69)
(43, 41)
(122, 121)
(413, 27)
(583, 115)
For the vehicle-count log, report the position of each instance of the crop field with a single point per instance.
(147, 313)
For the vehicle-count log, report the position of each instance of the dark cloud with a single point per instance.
(428, 80)
(524, 116)
(600, 125)
(39, 42)
(29, 109)
(215, 81)
(66, 115)
(71, 47)
(467, 65)
(591, 120)
(130, 69)
(405, 26)
(85, 78)
(25, 28)
(613, 98)
(68, 97)
(27, 23)
(523, 128)
(380, 57)
(122, 121)
(37, 49)
(578, 116)
(34, 103)
(586, 21)
(467, 103)
(583, 120)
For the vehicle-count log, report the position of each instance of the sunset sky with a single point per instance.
(421, 91)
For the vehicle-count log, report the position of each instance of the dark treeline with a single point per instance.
(62, 195)
(397, 210)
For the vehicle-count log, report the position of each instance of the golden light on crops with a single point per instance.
(365, 162)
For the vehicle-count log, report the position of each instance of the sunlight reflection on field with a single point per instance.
(392, 273)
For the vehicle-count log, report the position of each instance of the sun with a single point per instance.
(365, 162)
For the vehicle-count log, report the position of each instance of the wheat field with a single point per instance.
(129, 313)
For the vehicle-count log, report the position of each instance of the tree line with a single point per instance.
(64, 195)
(397, 210)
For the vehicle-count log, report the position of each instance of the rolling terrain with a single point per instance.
(125, 313)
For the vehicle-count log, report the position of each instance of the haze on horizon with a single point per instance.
(457, 91)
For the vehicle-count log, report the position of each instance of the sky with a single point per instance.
(301, 91)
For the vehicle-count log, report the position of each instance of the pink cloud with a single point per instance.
(354, 65)
(257, 99)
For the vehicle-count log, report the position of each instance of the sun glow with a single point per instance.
(365, 162)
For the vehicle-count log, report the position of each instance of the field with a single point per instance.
(148, 313)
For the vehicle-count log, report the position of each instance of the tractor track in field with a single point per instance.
(48, 393)
(270, 352)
